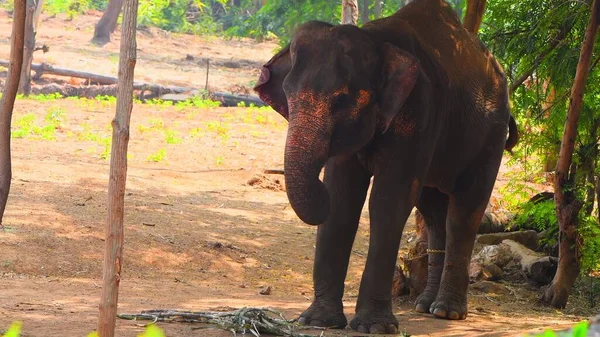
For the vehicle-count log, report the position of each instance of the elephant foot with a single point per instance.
(425, 300)
(449, 307)
(375, 320)
(324, 314)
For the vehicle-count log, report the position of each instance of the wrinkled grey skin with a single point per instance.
(417, 103)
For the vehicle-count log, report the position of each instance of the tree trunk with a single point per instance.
(474, 15)
(108, 22)
(28, 47)
(349, 12)
(36, 15)
(377, 9)
(567, 205)
(8, 99)
(364, 15)
(113, 253)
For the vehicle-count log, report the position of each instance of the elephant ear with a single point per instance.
(269, 86)
(399, 73)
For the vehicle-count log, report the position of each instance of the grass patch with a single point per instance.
(158, 156)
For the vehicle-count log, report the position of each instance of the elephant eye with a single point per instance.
(342, 101)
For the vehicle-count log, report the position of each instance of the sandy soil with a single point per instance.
(204, 227)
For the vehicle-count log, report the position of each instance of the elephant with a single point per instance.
(413, 102)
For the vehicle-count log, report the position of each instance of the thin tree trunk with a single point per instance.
(364, 15)
(113, 253)
(28, 47)
(474, 15)
(377, 9)
(36, 16)
(567, 205)
(349, 12)
(590, 168)
(8, 99)
(108, 22)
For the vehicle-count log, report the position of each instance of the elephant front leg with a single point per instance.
(347, 183)
(390, 205)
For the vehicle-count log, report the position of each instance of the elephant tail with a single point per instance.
(513, 135)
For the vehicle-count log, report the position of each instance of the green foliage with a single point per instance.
(539, 216)
(73, 7)
(172, 137)
(589, 230)
(158, 156)
(14, 330)
(26, 127)
(541, 40)
(151, 330)
(579, 330)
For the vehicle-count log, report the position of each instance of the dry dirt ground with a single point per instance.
(204, 229)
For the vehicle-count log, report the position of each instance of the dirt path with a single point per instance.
(204, 227)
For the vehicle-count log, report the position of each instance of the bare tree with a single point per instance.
(567, 204)
(113, 253)
(8, 99)
(349, 12)
(108, 22)
(364, 15)
(32, 15)
(474, 15)
(377, 9)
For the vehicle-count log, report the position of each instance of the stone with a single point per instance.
(543, 269)
(494, 254)
(528, 238)
(492, 273)
(266, 290)
(475, 271)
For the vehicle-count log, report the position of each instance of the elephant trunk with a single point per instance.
(306, 152)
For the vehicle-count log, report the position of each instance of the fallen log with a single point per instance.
(148, 90)
(92, 91)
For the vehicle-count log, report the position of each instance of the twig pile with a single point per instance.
(244, 320)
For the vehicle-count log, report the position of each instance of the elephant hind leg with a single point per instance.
(466, 207)
(433, 206)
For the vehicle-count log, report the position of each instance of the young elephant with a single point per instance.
(414, 101)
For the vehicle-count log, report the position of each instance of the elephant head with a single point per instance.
(336, 87)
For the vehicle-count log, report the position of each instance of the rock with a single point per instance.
(494, 254)
(543, 269)
(537, 267)
(266, 290)
(527, 238)
(522, 254)
(489, 287)
(399, 285)
(475, 271)
(492, 273)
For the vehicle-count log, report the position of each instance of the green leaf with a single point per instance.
(152, 331)
(14, 330)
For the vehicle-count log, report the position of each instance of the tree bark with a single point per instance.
(107, 23)
(28, 48)
(8, 99)
(113, 253)
(364, 15)
(377, 9)
(567, 205)
(349, 12)
(474, 15)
